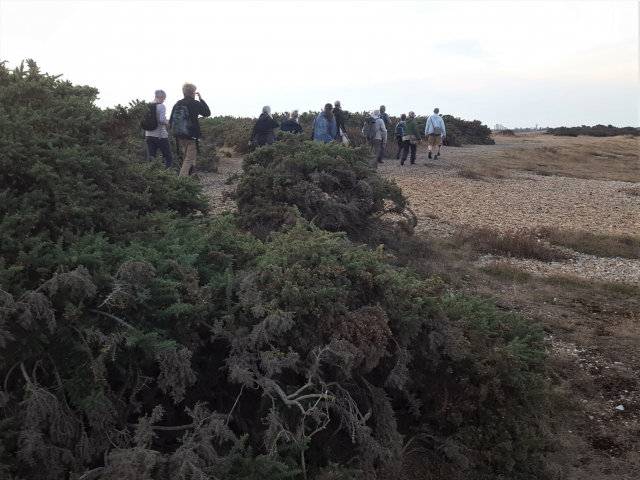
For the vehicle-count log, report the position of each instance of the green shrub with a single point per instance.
(595, 131)
(128, 314)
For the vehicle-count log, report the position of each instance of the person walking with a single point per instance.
(410, 138)
(341, 134)
(400, 134)
(325, 125)
(184, 118)
(435, 132)
(158, 138)
(375, 131)
(263, 128)
(387, 124)
(291, 124)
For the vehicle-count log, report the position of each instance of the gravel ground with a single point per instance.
(443, 201)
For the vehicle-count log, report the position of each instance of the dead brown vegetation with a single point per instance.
(624, 246)
(614, 158)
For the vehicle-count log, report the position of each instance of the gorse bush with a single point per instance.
(330, 185)
(595, 131)
(141, 338)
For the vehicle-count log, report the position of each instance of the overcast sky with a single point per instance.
(515, 63)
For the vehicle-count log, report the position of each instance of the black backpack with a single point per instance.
(369, 129)
(150, 120)
(180, 121)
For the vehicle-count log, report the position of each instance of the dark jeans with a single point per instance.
(381, 153)
(155, 143)
(400, 145)
(406, 144)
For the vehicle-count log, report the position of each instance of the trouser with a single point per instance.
(375, 145)
(189, 150)
(155, 143)
(400, 145)
(405, 145)
(381, 152)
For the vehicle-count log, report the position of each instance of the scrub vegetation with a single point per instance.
(143, 338)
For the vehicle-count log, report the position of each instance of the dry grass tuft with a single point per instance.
(633, 191)
(592, 244)
(510, 243)
(611, 158)
(481, 172)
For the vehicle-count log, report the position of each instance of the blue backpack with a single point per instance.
(400, 130)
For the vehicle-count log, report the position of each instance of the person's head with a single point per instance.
(403, 117)
(160, 96)
(189, 90)
(412, 114)
(337, 104)
(383, 108)
(294, 114)
(266, 110)
(436, 110)
(376, 113)
(328, 111)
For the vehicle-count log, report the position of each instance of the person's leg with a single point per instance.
(430, 142)
(375, 144)
(381, 152)
(437, 145)
(405, 150)
(189, 153)
(400, 145)
(152, 148)
(413, 154)
(165, 148)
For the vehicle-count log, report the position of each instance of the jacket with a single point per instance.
(435, 120)
(264, 126)
(290, 125)
(337, 112)
(195, 108)
(385, 118)
(411, 127)
(323, 130)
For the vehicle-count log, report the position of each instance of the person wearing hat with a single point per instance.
(435, 132)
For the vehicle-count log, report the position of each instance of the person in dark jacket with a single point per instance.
(400, 134)
(291, 124)
(263, 129)
(410, 129)
(342, 130)
(189, 145)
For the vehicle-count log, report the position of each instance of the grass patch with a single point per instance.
(507, 272)
(568, 281)
(510, 243)
(622, 289)
(586, 157)
(484, 171)
(601, 245)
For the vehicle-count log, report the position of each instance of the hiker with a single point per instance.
(158, 137)
(400, 134)
(387, 124)
(291, 124)
(410, 138)
(341, 134)
(186, 127)
(324, 126)
(375, 131)
(435, 132)
(263, 129)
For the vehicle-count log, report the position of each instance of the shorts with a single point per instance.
(434, 140)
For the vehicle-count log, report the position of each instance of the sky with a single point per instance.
(513, 63)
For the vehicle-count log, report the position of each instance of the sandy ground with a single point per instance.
(444, 201)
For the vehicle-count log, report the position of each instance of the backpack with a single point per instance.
(436, 130)
(369, 129)
(400, 130)
(150, 120)
(180, 122)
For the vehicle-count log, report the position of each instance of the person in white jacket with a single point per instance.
(435, 132)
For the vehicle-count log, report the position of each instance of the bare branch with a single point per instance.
(113, 317)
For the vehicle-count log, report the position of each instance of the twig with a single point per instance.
(24, 374)
(91, 473)
(113, 317)
(168, 429)
(6, 378)
(234, 405)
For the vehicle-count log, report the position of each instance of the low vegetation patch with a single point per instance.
(482, 172)
(594, 244)
(509, 243)
(507, 272)
(593, 158)
(595, 131)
